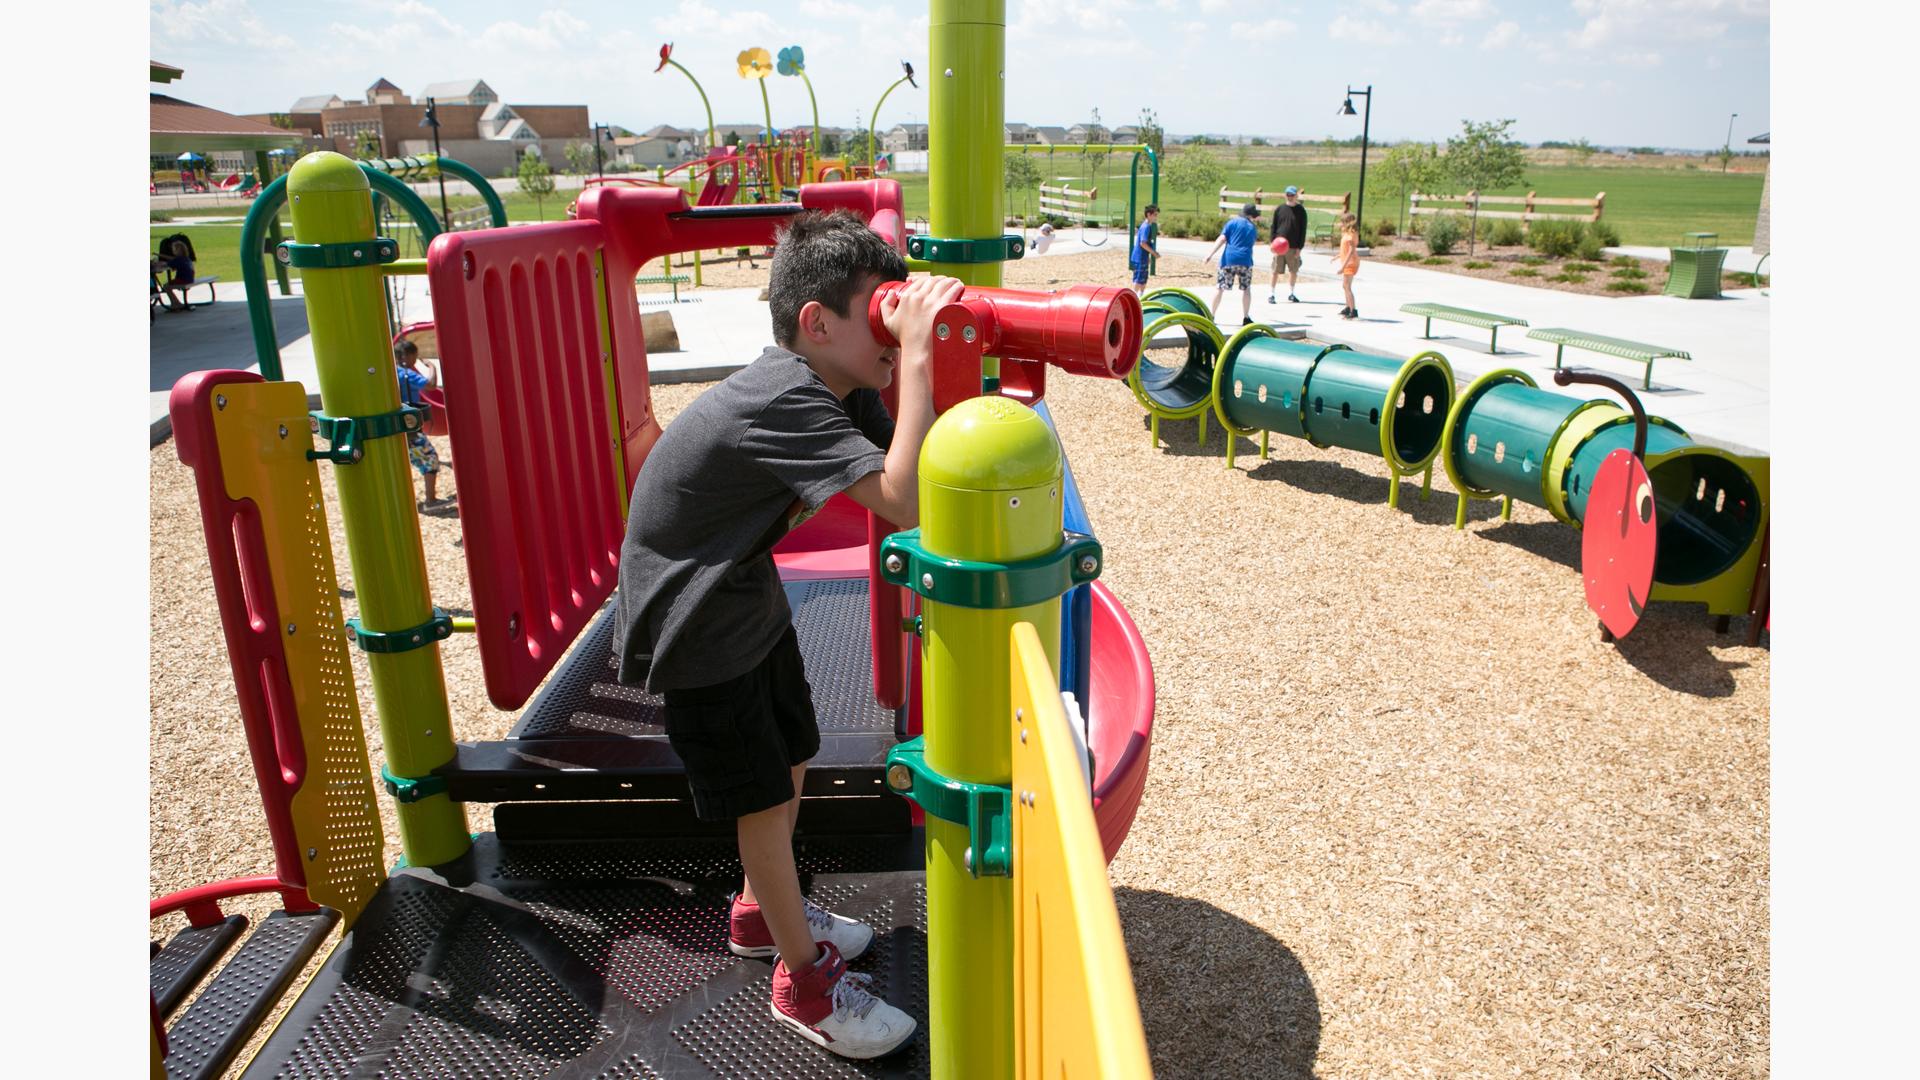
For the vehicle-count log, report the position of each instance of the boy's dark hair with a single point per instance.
(825, 257)
(1152, 208)
(405, 349)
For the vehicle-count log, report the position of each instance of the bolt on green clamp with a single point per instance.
(411, 790)
(990, 249)
(344, 434)
(985, 809)
(970, 584)
(438, 628)
(343, 256)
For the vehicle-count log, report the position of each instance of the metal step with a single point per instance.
(593, 960)
(174, 971)
(204, 1041)
(587, 736)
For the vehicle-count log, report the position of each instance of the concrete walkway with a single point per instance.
(1720, 396)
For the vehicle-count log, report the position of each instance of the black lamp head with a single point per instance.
(1346, 107)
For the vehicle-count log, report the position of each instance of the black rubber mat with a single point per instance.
(584, 698)
(203, 1042)
(597, 960)
(174, 971)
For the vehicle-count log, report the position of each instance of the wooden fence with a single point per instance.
(1526, 215)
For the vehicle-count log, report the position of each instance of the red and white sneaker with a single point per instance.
(748, 935)
(834, 1008)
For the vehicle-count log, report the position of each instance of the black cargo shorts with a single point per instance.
(740, 739)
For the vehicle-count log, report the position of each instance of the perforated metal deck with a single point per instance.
(593, 960)
(830, 616)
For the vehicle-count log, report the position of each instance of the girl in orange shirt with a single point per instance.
(1348, 261)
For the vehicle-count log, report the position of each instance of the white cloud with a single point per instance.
(1363, 31)
(230, 22)
(1267, 30)
(834, 9)
(1501, 36)
(1450, 40)
(1443, 11)
(1656, 21)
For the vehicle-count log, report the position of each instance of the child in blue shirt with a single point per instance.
(1145, 247)
(1236, 265)
(420, 451)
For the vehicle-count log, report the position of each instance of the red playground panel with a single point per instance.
(528, 412)
(1617, 542)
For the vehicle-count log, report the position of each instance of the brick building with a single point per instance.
(476, 126)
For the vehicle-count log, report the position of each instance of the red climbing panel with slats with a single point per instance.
(527, 367)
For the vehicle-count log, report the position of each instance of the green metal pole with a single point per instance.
(873, 122)
(713, 140)
(813, 140)
(332, 204)
(264, 162)
(989, 491)
(767, 151)
(967, 131)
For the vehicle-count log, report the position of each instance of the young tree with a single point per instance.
(536, 179)
(1481, 158)
(1410, 167)
(1332, 146)
(1582, 150)
(1152, 133)
(579, 158)
(1023, 175)
(1196, 171)
(366, 145)
(1242, 153)
(1725, 154)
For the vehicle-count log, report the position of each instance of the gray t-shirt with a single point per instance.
(700, 601)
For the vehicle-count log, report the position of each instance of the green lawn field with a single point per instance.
(1650, 206)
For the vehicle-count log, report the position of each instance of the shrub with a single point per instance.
(1506, 233)
(1532, 260)
(1406, 256)
(1442, 233)
(1580, 268)
(1415, 227)
(1626, 261)
(1630, 273)
(1524, 271)
(1555, 239)
(1568, 279)
(1476, 264)
(1627, 286)
(1436, 260)
(1589, 247)
(1384, 228)
(1609, 236)
(161, 215)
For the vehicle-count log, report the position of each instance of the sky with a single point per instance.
(1616, 72)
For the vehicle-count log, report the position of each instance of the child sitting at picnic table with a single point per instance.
(176, 256)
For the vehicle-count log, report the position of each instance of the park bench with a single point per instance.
(1560, 338)
(675, 280)
(156, 299)
(1483, 320)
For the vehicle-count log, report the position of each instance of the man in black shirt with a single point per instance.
(1290, 221)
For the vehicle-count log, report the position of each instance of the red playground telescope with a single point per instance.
(1086, 330)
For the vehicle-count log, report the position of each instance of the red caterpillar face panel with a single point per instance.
(1618, 542)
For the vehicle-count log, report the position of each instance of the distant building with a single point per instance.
(1046, 135)
(905, 137)
(1021, 135)
(1082, 134)
(475, 125)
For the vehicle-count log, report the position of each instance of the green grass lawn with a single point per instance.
(1647, 206)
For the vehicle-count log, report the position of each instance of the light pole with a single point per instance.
(1726, 150)
(599, 164)
(1366, 123)
(432, 120)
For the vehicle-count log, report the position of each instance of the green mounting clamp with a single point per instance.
(344, 434)
(985, 809)
(438, 628)
(969, 584)
(945, 250)
(407, 790)
(915, 625)
(344, 256)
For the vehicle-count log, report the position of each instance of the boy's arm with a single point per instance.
(894, 492)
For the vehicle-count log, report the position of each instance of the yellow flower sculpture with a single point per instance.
(755, 63)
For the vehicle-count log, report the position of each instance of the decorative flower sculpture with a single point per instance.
(666, 54)
(792, 61)
(755, 63)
